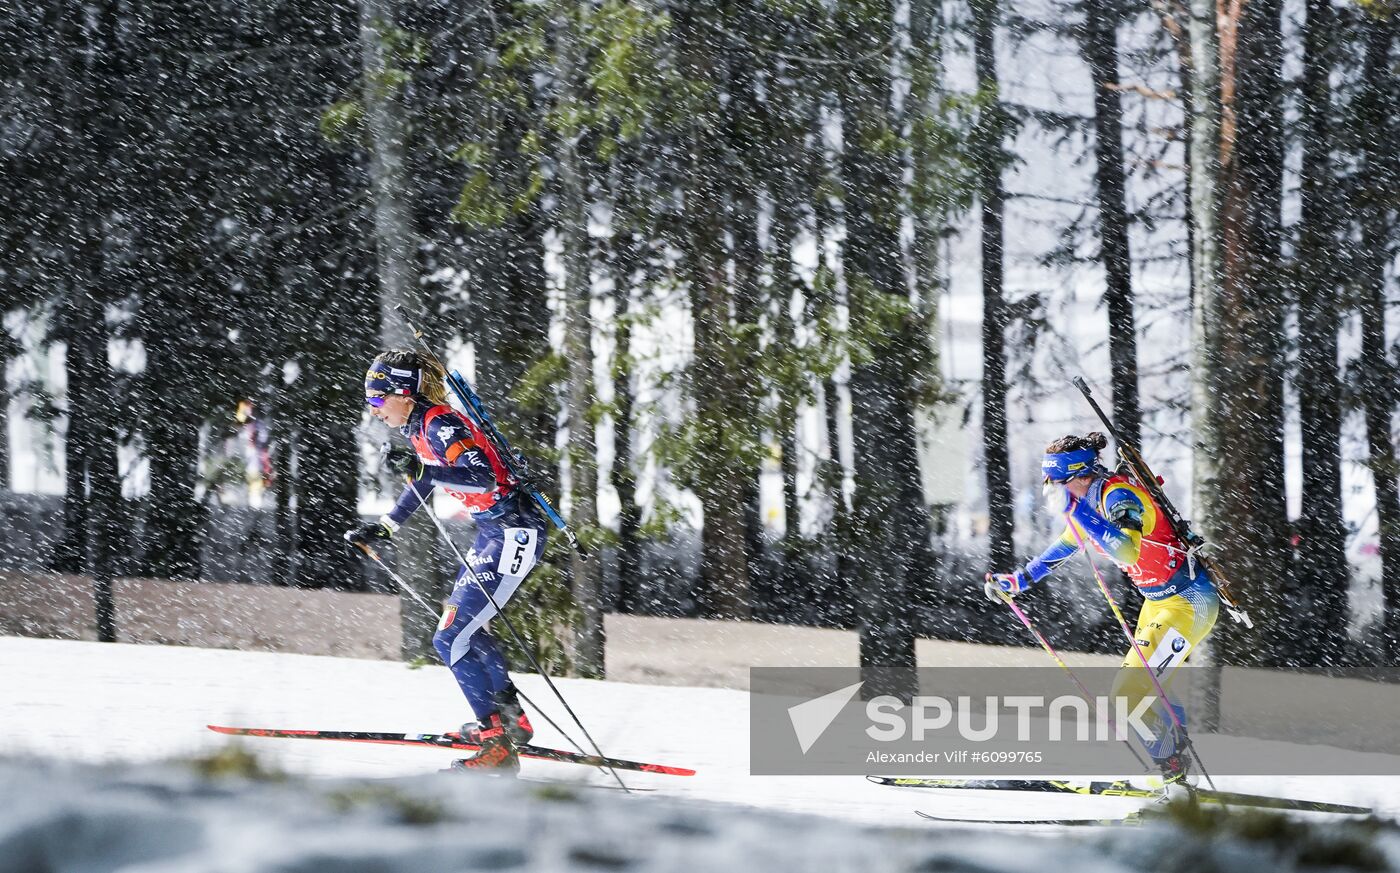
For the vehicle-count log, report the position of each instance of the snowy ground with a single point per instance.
(80, 702)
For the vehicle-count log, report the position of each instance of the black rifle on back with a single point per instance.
(1137, 466)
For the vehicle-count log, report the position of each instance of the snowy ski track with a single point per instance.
(78, 703)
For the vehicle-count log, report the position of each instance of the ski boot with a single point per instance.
(1176, 769)
(513, 716)
(497, 753)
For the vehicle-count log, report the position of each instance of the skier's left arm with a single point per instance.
(1119, 529)
(1036, 569)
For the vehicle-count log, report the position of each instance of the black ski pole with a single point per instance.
(404, 586)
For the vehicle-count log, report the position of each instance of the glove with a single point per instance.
(370, 530)
(1010, 583)
(401, 460)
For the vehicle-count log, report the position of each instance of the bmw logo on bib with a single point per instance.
(522, 537)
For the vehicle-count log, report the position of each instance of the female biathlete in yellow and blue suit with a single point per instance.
(1121, 521)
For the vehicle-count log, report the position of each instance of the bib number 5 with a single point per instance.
(518, 551)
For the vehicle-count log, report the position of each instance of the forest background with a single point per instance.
(781, 298)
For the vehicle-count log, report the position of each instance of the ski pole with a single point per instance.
(407, 589)
(1074, 677)
(1177, 727)
(519, 640)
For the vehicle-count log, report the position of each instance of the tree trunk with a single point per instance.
(397, 269)
(626, 259)
(841, 608)
(740, 193)
(572, 206)
(71, 549)
(170, 543)
(92, 473)
(1102, 18)
(989, 140)
(1204, 129)
(8, 350)
(92, 487)
(784, 337)
(1249, 504)
(1322, 560)
(1379, 166)
(889, 514)
(1101, 53)
(284, 533)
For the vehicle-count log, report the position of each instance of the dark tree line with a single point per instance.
(236, 203)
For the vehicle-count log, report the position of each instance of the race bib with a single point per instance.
(517, 552)
(1171, 651)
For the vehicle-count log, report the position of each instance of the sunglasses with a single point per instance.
(376, 400)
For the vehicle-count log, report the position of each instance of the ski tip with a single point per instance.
(668, 771)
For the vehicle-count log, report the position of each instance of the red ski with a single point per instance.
(452, 741)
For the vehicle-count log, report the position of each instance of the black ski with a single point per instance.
(1120, 788)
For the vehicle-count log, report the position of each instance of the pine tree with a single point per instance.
(1375, 120)
(989, 137)
(890, 523)
(1322, 558)
(1101, 20)
(400, 280)
(1249, 509)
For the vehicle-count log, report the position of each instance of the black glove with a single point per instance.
(370, 530)
(401, 460)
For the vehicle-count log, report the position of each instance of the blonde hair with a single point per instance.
(433, 385)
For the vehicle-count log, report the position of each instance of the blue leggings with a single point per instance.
(505, 552)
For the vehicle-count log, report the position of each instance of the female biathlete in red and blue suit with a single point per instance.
(407, 392)
(1122, 522)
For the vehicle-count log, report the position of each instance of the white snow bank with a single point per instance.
(74, 704)
(81, 818)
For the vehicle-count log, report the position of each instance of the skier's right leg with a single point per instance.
(486, 651)
(1168, 631)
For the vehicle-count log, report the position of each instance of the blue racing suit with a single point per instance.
(510, 539)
